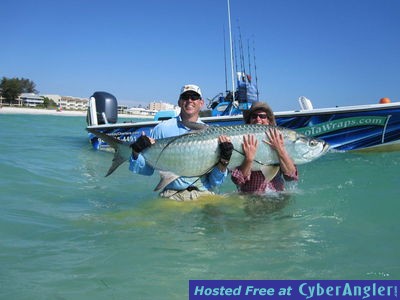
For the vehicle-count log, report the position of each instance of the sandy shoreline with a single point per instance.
(38, 111)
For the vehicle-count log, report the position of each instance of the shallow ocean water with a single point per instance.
(67, 232)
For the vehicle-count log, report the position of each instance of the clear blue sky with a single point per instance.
(335, 52)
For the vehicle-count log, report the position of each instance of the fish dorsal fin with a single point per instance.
(193, 125)
(270, 171)
(165, 179)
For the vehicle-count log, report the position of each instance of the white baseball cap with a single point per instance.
(190, 87)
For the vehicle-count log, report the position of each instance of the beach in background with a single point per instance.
(72, 113)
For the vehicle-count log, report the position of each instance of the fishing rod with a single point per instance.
(235, 52)
(230, 42)
(248, 57)
(226, 73)
(255, 69)
(241, 53)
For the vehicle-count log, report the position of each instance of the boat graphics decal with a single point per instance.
(330, 126)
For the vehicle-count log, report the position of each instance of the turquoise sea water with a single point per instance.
(67, 232)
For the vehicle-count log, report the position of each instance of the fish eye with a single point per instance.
(313, 143)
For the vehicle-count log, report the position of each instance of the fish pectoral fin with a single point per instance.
(165, 179)
(270, 171)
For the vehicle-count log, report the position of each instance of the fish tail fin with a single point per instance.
(165, 179)
(119, 157)
(116, 162)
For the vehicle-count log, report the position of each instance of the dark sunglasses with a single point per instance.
(188, 96)
(261, 116)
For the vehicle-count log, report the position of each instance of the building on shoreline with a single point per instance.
(81, 104)
(24, 99)
(34, 100)
(151, 110)
(160, 105)
(69, 102)
(30, 100)
(138, 111)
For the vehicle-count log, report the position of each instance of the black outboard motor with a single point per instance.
(106, 108)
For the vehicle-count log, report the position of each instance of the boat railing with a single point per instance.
(215, 99)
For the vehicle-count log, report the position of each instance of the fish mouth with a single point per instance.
(326, 147)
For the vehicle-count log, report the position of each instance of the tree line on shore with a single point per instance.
(12, 88)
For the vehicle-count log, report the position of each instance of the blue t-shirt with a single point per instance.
(169, 128)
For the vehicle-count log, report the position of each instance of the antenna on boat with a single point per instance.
(230, 43)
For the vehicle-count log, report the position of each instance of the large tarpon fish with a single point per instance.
(197, 152)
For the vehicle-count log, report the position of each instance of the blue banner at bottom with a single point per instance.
(293, 289)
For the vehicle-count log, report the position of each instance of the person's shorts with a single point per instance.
(184, 195)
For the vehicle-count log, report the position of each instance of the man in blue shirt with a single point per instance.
(183, 188)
